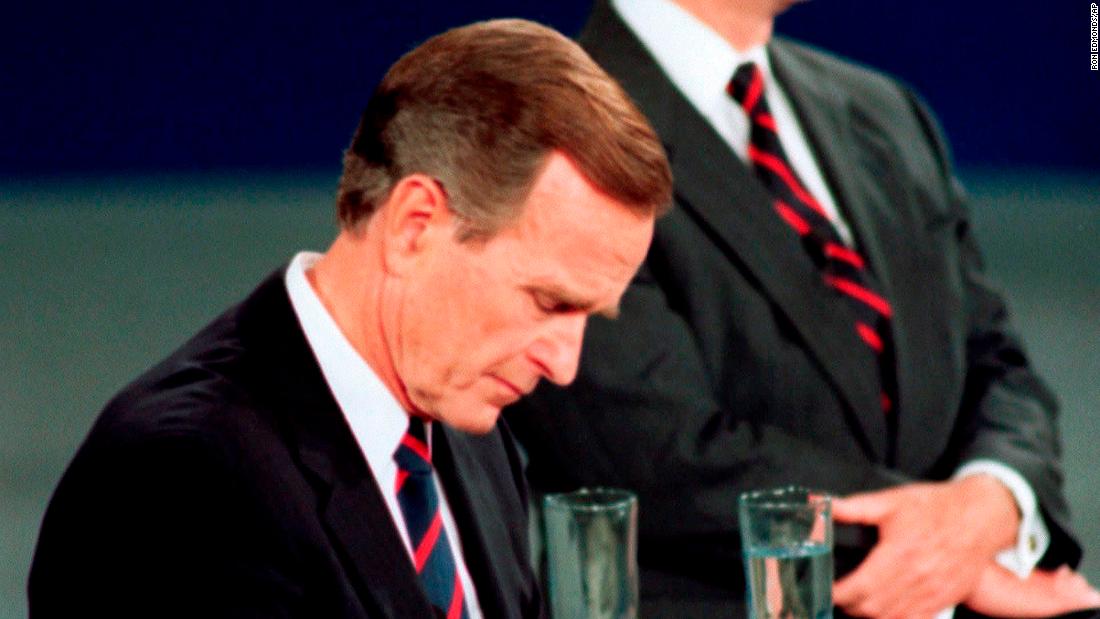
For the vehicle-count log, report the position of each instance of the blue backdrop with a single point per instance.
(112, 86)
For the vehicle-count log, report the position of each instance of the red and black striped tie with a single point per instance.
(419, 502)
(843, 268)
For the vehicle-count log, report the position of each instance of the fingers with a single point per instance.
(935, 540)
(897, 581)
(1042, 594)
(866, 507)
(917, 566)
(1073, 591)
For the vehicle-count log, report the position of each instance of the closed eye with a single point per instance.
(552, 304)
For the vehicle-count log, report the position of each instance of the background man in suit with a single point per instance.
(287, 461)
(812, 312)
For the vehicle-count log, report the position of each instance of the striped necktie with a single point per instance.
(843, 268)
(419, 501)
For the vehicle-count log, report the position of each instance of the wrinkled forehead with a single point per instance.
(588, 258)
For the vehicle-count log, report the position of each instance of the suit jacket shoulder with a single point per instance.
(225, 482)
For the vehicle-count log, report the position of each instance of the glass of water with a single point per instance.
(591, 552)
(787, 545)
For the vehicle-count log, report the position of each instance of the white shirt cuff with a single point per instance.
(1033, 537)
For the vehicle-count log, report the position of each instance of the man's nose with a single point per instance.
(558, 350)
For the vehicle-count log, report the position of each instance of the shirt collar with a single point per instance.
(376, 418)
(698, 61)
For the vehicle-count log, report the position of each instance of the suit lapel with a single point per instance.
(350, 503)
(848, 164)
(854, 165)
(359, 523)
(473, 503)
(720, 193)
(855, 157)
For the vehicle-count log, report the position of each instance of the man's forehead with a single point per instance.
(575, 243)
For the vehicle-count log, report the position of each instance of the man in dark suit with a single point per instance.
(812, 312)
(331, 447)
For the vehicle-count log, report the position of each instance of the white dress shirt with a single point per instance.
(700, 63)
(373, 413)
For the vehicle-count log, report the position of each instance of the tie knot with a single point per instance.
(746, 86)
(412, 453)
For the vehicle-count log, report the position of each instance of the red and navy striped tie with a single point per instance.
(843, 268)
(419, 502)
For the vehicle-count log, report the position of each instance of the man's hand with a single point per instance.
(1001, 593)
(935, 540)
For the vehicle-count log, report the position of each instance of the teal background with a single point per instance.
(103, 276)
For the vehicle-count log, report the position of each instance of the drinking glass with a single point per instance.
(591, 546)
(787, 545)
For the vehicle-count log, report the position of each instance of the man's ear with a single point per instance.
(416, 217)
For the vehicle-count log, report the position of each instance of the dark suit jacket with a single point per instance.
(226, 483)
(733, 366)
